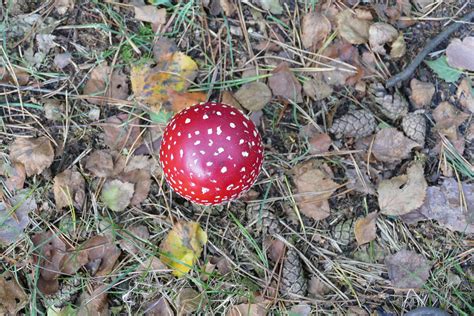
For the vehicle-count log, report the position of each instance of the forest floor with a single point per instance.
(364, 206)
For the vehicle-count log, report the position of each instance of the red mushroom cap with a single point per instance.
(211, 153)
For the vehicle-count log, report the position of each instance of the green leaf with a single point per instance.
(161, 116)
(443, 70)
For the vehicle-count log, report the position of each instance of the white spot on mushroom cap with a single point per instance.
(205, 117)
(241, 141)
(245, 154)
(181, 153)
(197, 142)
(209, 163)
(232, 125)
(188, 120)
(204, 190)
(209, 131)
(223, 169)
(219, 130)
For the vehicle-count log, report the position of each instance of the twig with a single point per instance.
(432, 44)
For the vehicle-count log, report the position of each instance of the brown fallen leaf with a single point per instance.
(48, 254)
(36, 154)
(465, 95)
(399, 47)
(300, 310)
(153, 264)
(253, 96)
(132, 238)
(319, 143)
(12, 296)
(443, 205)
(459, 53)
(448, 119)
(118, 85)
(137, 171)
(14, 75)
(62, 60)
(189, 301)
(122, 131)
(381, 34)
(276, 249)
(178, 101)
(315, 28)
(159, 307)
(97, 83)
(314, 188)
(14, 216)
(392, 146)
(95, 303)
(15, 175)
(69, 189)
(99, 248)
(257, 309)
(317, 287)
(283, 83)
(421, 93)
(407, 269)
(403, 194)
(317, 89)
(62, 6)
(229, 98)
(100, 163)
(151, 14)
(352, 29)
(365, 228)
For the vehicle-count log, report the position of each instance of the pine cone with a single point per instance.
(270, 224)
(293, 281)
(414, 126)
(392, 106)
(359, 123)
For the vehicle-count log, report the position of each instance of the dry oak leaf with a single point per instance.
(122, 131)
(314, 187)
(421, 93)
(407, 269)
(97, 83)
(69, 189)
(403, 194)
(283, 83)
(253, 96)
(351, 28)
(392, 146)
(12, 296)
(182, 247)
(365, 228)
(229, 98)
(315, 29)
(14, 216)
(36, 154)
(174, 71)
(459, 53)
(380, 34)
(137, 170)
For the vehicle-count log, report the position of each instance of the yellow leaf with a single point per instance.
(173, 72)
(182, 247)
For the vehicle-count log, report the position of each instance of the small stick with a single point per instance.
(432, 44)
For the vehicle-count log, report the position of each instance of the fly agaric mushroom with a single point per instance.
(211, 153)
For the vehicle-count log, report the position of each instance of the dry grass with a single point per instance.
(349, 276)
